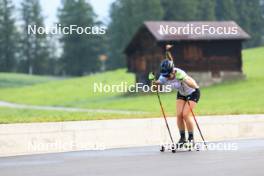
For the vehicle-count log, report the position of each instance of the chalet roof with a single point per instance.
(160, 35)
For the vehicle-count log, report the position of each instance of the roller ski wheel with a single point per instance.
(192, 146)
(169, 147)
(173, 148)
(162, 148)
(197, 148)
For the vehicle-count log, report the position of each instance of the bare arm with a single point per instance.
(191, 82)
(168, 54)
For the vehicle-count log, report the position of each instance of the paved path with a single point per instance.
(147, 161)
(67, 109)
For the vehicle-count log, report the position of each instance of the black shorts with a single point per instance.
(195, 96)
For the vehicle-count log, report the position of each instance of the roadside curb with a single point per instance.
(35, 138)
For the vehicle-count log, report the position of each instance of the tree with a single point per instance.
(226, 10)
(206, 10)
(34, 47)
(180, 10)
(126, 17)
(246, 13)
(187, 10)
(251, 19)
(262, 7)
(80, 51)
(8, 37)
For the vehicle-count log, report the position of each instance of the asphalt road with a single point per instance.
(248, 160)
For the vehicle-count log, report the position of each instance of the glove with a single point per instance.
(151, 76)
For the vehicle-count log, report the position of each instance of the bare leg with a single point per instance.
(180, 107)
(187, 116)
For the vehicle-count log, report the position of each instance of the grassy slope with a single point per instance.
(70, 92)
(8, 115)
(8, 80)
(237, 97)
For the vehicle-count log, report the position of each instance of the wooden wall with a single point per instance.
(208, 55)
(144, 55)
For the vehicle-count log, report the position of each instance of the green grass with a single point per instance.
(70, 92)
(10, 115)
(234, 97)
(8, 80)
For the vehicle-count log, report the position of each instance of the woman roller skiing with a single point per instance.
(188, 90)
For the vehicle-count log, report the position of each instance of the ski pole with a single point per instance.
(201, 134)
(164, 116)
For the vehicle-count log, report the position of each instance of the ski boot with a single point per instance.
(190, 144)
(181, 143)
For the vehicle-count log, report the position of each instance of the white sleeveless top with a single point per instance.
(177, 84)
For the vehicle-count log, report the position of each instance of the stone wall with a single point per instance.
(35, 138)
(208, 78)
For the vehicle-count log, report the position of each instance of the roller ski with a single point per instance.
(168, 147)
(185, 145)
(180, 146)
(192, 146)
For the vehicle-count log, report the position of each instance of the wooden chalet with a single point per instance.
(208, 57)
